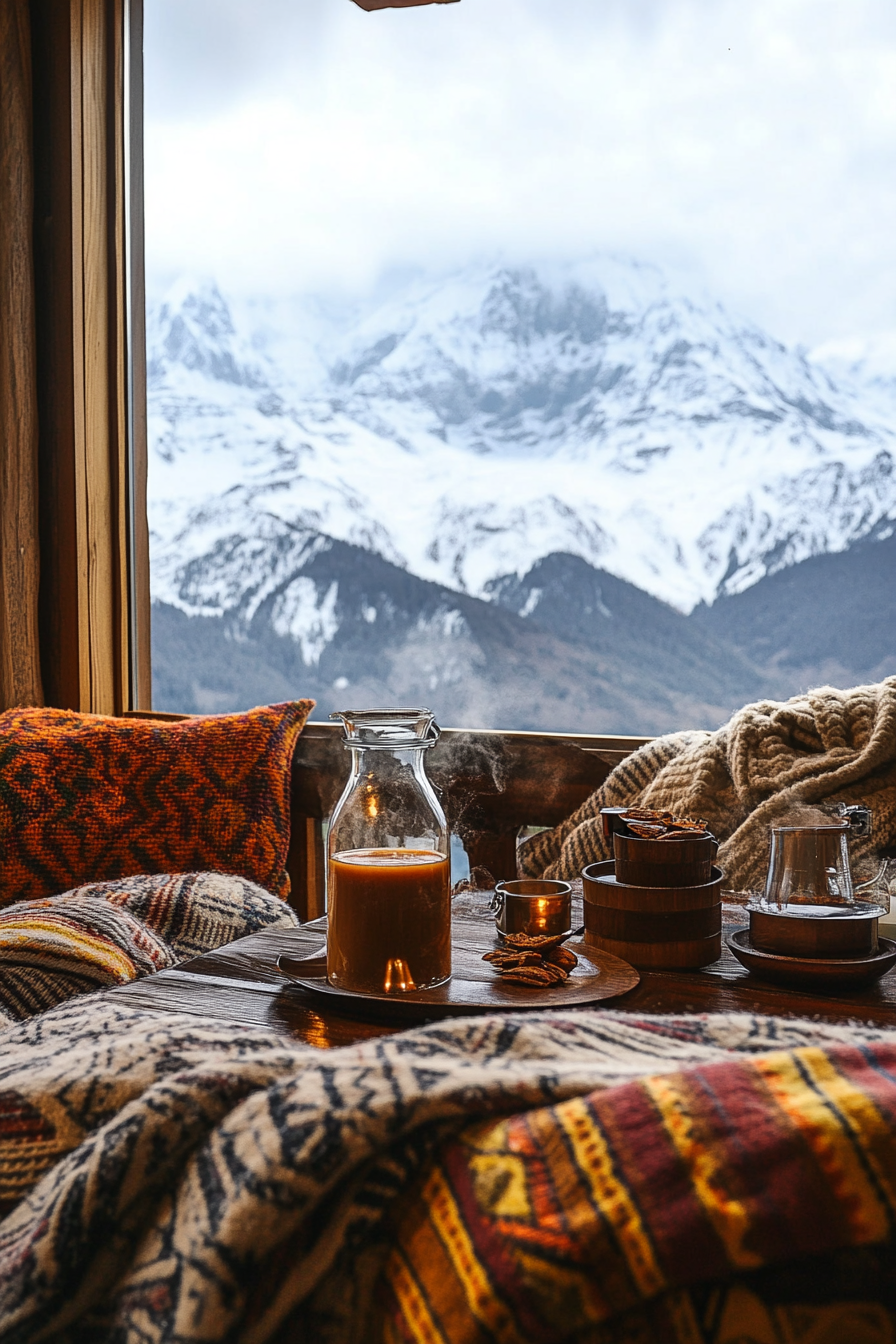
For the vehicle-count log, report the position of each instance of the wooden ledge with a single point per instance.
(241, 982)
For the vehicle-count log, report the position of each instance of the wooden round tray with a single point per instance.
(841, 971)
(474, 987)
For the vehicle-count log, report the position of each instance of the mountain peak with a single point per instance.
(469, 426)
(193, 328)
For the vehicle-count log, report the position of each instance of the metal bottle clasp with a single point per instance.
(859, 817)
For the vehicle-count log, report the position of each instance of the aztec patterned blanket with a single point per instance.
(571, 1176)
(107, 933)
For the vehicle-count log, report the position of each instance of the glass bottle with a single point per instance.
(388, 872)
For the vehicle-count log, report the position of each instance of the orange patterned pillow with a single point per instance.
(85, 798)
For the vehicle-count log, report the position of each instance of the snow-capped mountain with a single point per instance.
(868, 364)
(466, 428)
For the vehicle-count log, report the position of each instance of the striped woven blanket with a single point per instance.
(107, 933)
(707, 1205)
(578, 1176)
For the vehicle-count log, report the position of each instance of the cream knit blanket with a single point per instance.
(770, 764)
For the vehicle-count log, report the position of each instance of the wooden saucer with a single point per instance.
(474, 986)
(843, 971)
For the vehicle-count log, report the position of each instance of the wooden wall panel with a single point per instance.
(20, 682)
(59, 578)
(85, 297)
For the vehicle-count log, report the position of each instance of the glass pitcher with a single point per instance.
(388, 872)
(809, 871)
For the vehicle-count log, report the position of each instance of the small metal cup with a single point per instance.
(531, 906)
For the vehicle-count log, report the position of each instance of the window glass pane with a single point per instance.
(534, 360)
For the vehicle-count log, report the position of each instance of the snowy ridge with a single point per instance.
(868, 363)
(469, 427)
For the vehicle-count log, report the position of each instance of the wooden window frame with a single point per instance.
(94, 547)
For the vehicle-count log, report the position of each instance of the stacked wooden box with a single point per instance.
(657, 904)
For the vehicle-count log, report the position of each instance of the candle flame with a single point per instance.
(398, 978)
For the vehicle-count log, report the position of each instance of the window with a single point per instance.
(535, 361)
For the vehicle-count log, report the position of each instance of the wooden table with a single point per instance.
(241, 982)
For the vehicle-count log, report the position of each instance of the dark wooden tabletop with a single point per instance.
(241, 982)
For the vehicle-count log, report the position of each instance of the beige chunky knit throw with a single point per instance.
(771, 764)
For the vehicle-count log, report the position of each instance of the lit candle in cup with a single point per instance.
(534, 906)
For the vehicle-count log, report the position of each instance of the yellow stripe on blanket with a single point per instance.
(415, 1309)
(483, 1302)
(43, 939)
(870, 1130)
(610, 1194)
(706, 1164)
(836, 1119)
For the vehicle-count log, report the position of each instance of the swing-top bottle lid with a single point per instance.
(388, 728)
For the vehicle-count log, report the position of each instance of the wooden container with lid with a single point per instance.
(664, 863)
(663, 925)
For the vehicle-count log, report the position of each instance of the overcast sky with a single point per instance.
(307, 145)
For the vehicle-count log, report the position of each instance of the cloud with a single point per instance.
(305, 144)
(203, 56)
